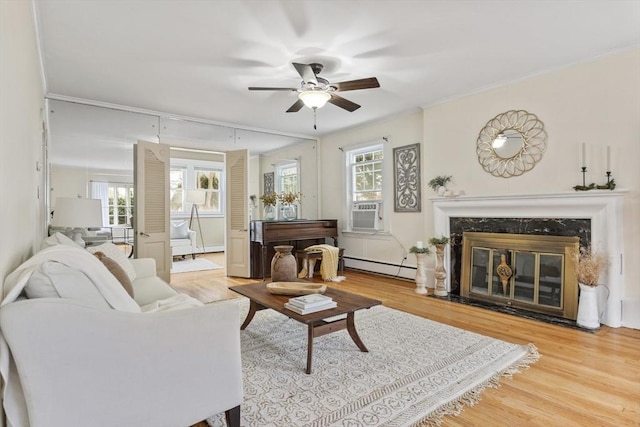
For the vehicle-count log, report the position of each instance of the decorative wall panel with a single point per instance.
(269, 179)
(406, 172)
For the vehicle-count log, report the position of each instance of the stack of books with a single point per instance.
(306, 304)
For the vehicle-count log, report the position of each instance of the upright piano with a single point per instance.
(265, 235)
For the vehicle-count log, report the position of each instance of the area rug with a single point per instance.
(415, 372)
(198, 264)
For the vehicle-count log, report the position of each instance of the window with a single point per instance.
(287, 178)
(177, 177)
(121, 200)
(365, 167)
(188, 174)
(209, 180)
(117, 201)
(364, 191)
(286, 182)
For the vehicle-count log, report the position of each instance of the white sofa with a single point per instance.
(159, 359)
(182, 239)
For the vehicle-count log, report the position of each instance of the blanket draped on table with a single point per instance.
(329, 264)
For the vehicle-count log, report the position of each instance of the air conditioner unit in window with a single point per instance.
(366, 216)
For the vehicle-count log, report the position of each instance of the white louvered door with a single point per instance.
(237, 252)
(151, 207)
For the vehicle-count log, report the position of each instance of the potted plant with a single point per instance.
(439, 183)
(288, 199)
(588, 267)
(269, 201)
(417, 250)
(421, 253)
(435, 241)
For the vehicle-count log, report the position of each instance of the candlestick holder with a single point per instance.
(610, 185)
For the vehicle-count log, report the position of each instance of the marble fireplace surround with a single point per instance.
(602, 208)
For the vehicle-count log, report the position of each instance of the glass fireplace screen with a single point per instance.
(534, 272)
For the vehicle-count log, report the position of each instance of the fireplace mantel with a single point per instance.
(602, 207)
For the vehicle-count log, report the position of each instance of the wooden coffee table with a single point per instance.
(348, 304)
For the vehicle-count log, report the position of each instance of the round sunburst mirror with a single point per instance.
(511, 143)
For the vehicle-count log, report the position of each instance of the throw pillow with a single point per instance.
(118, 272)
(179, 230)
(53, 279)
(116, 254)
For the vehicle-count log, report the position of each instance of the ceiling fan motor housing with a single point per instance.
(317, 68)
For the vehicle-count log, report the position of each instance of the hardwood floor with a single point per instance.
(582, 378)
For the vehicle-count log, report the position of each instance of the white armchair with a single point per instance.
(183, 239)
(79, 365)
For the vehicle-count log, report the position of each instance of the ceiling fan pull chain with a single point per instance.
(314, 117)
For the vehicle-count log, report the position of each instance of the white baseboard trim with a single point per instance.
(207, 249)
(631, 313)
(388, 269)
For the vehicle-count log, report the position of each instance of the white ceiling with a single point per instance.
(196, 58)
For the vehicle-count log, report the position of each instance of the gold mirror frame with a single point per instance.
(534, 143)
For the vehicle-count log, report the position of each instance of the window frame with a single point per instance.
(280, 167)
(348, 153)
(191, 167)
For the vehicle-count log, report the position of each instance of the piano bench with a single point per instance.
(308, 259)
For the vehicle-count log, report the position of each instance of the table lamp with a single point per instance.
(78, 215)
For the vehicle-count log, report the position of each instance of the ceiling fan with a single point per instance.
(316, 91)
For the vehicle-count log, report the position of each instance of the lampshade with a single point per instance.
(79, 213)
(196, 197)
(314, 98)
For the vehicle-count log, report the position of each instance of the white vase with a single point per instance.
(441, 190)
(588, 307)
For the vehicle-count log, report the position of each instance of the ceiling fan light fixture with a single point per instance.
(314, 98)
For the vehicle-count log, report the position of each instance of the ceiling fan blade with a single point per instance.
(296, 106)
(306, 72)
(343, 103)
(369, 83)
(272, 88)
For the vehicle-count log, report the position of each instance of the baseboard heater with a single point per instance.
(400, 271)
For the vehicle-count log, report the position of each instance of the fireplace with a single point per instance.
(595, 217)
(532, 272)
(568, 227)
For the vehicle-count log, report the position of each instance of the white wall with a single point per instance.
(76, 182)
(404, 228)
(255, 177)
(597, 103)
(307, 154)
(21, 117)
